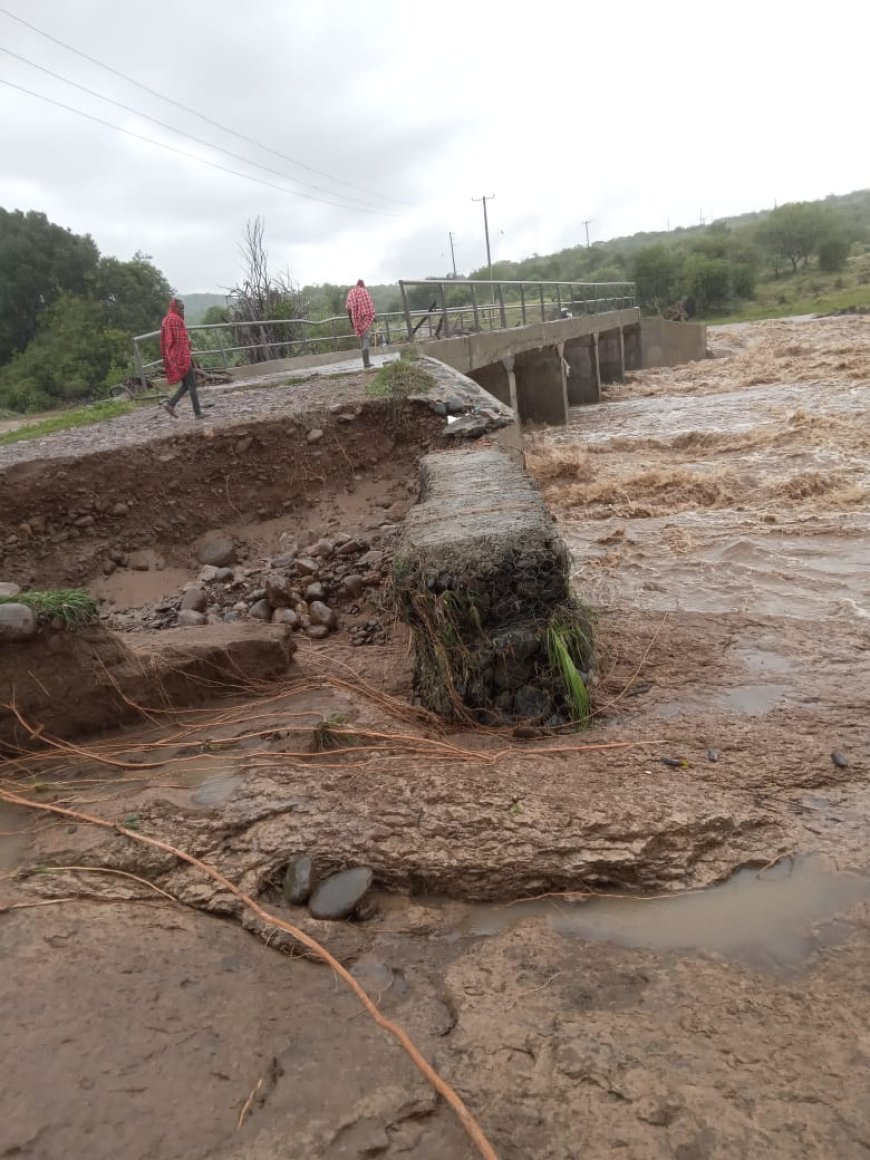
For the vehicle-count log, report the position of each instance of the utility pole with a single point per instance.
(486, 231)
(587, 225)
(452, 253)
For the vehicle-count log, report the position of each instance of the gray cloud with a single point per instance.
(427, 112)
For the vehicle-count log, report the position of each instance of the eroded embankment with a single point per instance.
(65, 519)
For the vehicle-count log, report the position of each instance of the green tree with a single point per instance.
(708, 282)
(658, 272)
(40, 261)
(793, 232)
(134, 295)
(833, 252)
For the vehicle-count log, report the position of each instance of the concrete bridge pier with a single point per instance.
(633, 347)
(584, 379)
(499, 379)
(542, 390)
(611, 356)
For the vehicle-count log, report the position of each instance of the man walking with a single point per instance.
(361, 312)
(177, 359)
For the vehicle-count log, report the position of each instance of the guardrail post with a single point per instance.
(523, 301)
(474, 308)
(223, 352)
(501, 309)
(387, 328)
(407, 310)
(543, 307)
(137, 363)
(444, 315)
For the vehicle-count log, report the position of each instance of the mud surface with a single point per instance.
(717, 517)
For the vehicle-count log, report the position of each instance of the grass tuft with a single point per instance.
(399, 380)
(74, 606)
(78, 417)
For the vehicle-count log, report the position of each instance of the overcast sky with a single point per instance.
(630, 114)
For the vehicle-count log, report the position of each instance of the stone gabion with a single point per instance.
(482, 576)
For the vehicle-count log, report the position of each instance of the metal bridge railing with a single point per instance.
(460, 305)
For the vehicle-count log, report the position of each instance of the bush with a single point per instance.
(833, 253)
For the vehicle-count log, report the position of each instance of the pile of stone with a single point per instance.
(337, 896)
(302, 587)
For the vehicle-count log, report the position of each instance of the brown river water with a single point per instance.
(739, 484)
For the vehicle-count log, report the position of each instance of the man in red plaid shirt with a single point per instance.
(177, 359)
(361, 312)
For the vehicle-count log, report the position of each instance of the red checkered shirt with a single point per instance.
(362, 309)
(175, 346)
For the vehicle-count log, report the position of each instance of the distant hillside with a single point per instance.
(195, 305)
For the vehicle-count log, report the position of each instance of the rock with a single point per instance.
(17, 622)
(120, 509)
(531, 702)
(279, 592)
(314, 435)
(261, 610)
(85, 521)
(242, 445)
(209, 573)
(713, 755)
(305, 566)
(194, 600)
(350, 547)
(7, 588)
(298, 881)
(340, 894)
(839, 759)
(455, 406)
(225, 575)
(396, 512)
(284, 560)
(285, 616)
(322, 548)
(321, 613)
(189, 618)
(109, 567)
(315, 591)
(216, 550)
(352, 586)
(139, 564)
(316, 631)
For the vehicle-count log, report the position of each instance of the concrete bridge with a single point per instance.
(542, 368)
(538, 347)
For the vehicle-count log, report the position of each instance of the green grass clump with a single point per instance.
(78, 417)
(399, 379)
(565, 641)
(74, 606)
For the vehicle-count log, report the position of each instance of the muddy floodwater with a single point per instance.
(648, 940)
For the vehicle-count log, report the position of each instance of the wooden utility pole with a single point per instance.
(486, 230)
(587, 224)
(452, 254)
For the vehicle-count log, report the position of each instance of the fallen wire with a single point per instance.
(444, 1089)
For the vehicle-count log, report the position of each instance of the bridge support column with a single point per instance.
(542, 393)
(633, 348)
(584, 382)
(611, 356)
(499, 379)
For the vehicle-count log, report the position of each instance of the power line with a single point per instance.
(183, 152)
(195, 113)
(190, 136)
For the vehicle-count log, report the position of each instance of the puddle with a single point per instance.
(752, 700)
(765, 919)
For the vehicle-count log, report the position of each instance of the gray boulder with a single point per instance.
(17, 622)
(340, 894)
